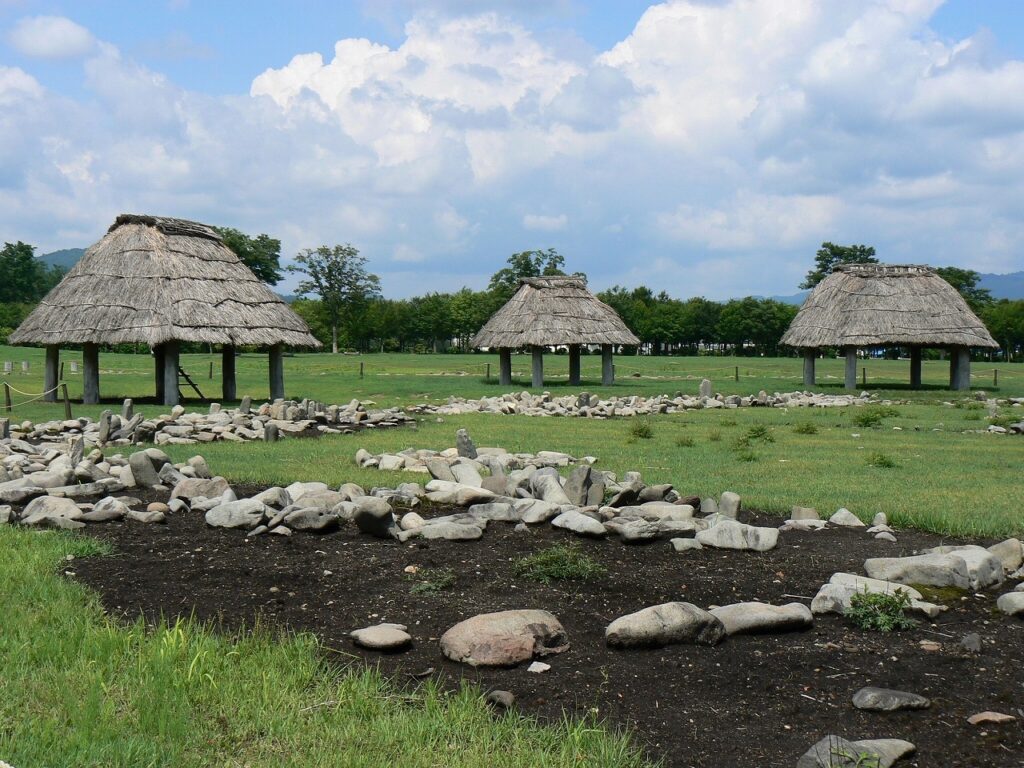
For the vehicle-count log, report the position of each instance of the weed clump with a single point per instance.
(430, 581)
(881, 460)
(873, 416)
(561, 562)
(684, 441)
(807, 428)
(880, 612)
(641, 429)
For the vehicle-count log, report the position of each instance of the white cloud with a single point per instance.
(541, 223)
(16, 84)
(51, 37)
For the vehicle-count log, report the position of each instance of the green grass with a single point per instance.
(560, 562)
(430, 581)
(78, 689)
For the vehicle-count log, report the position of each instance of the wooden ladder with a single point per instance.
(183, 374)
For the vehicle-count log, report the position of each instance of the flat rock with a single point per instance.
(666, 624)
(504, 638)
(311, 519)
(140, 516)
(579, 523)
(758, 618)
(984, 569)
(194, 487)
(728, 534)
(990, 718)
(685, 545)
(888, 700)
(451, 531)
(837, 752)
(441, 492)
(1012, 603)
(935, 570)
(50, 506)
(846, 518)
(247, 514)
(382, 637)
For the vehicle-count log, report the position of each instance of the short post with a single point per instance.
(61, 377)
(50, 371)
(360, 370)
(851, 368)
(229, 390)
(487, 376)
(170, 365)
(995, 377)
(67, 402)
(276, 372)
(210, 377)
(915, 367)
(91, 374)
(574, 363)
(505, 366)
(810, 357)
(538, 367)
(7, 397)
(607, 369)
(737, 373)
(864, 377)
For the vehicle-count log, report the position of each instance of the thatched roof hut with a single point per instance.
(160, 281)
(868, 305)
(554, 311)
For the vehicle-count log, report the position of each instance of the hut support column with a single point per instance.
(170, 366)
(50, 373)
(538, 367)
(90, 374)
(158, 368)
(607, 369)
(810, 355)
(960, 368)
(505, 367)
(277, 372)
(915, 367)
(574, 363)
(227, 369)
(851, 367)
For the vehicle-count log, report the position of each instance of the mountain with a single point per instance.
(796, 298)
(65, 259)
(1009, 286)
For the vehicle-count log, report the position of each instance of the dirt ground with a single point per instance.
(750, 701)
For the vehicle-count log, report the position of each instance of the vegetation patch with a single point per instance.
(881, 460)
(873, 416)
(641, 429)
(806, 428)
(430, 581)
(560, 562)
(880, 612)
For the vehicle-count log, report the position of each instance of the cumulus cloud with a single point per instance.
(541, 223)
(51, 37)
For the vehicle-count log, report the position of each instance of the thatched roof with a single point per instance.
(861, 305)
(151, 280)
(546, 311)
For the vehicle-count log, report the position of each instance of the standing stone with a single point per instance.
(729, 505)
(5, 429)
(705, 388)
(464, 445)
(76, 450)
(245, 407)
(271, 433)
(214, 408)
(104, 433)
(127, 409)
(585, 487)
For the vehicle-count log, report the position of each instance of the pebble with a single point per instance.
(382, 637)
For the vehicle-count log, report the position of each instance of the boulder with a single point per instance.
(1012, 603)
(728, 534)
(47, 507)
(666, 624)
(533, 511)
(451, 531)
(106, 509)
(505, 638)
(935, 570)
(439, 469)
(247, 514)
(441, 492)
(466, 474)
(146, 469)
(757, 618)
(846, 518)
(888, 700)
(729, 504)
(685, 545)
(373, 516)
(1010, 553)
(311, 519)
(584, 487)
(194, 487)
(548, 488)
(837, 752)
(983, 568)
(577, 522)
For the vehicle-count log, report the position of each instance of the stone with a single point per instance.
(271, 433)
(708, 507)
(935, 570)
(390, 463)
(704, 390)
(466, 474)
(983, 568)
(464, 444)
(880, 518)
(1012, 603)
(497, 511)
(105, 510)
(760, 618)
(685, 545)
(505, 638)
(441, 492)
(846, 518)
(533, 511)
(410, 521)
(729, 504)
(888, 700)
(538, 667)
(247, 513)
(585, 487)
(577, 522)
(311, 519)
(50, 506)
(804, 513)
(451, 531)
(382, 637)
(728, 534)
(547, 488)
(146, 517)
(862, 583)
(373, 516)
(971, 642)
(885, 536)
(194, 487)
(837, 752)
(666, 624)
(500, 700)
(1010, 553)
(990, 718)
(144, 470)
(440, 469)
(638, 531)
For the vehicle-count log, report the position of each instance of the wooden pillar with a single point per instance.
(90, 374)
(851, 368)
(574, 363)
(915, 367)
(538, 367)
(960, 368)
(607, 369)
(277, 372)
(227, 369)
(158, 371)
(50, 373)
(170, 366)
(810, 356)
(505, 366)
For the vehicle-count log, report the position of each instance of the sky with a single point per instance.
(701, 147)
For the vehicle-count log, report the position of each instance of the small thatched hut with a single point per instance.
(551, 311)
(870, 305)
(160, 281)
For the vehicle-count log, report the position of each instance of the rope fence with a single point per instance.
(9, 406)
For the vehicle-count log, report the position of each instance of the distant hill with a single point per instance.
(65, 259)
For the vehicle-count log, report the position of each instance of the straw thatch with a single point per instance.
(151, 280)
(547, 311)
(862, 305)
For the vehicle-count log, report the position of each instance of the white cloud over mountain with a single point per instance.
(710, 151)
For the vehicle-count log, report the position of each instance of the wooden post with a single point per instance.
(574, 363)
(171, 396)
(737, 373)
(67, 402)
(277, 372)
(960, 369)
(995, 377)
(50, 377)
(810, 357)
(360, 369)
(61, 376)
(90, 374)
(487, 375)
(7, 398)
(210, 375)
(229, 390)
(505, 366)
(915, 367)
(864, 376)
(607, 369)
(851, 368)
(538, 367)
(158, 371)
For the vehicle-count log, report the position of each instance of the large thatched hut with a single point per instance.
(554, 311)
(872, 305)
(161, 281)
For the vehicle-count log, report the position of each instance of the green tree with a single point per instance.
(261, 254)
(26, 279)
(966, 282)
(830, 255)
(1005, 321)
(338, 276)
(527, 264)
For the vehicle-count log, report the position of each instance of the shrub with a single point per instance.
(881, 461)
(879, 611)
(561, 562)
(759, 433)
(430, 581)
(714, 436)
(746, 455)
(684, 441)
(807, 428)
(873, 415)
(641, 429)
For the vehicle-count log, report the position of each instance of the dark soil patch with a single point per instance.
(751, 701)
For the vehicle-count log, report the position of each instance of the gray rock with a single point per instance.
(373, 516)
(637, 531)
(728, 534)
(440, 469)
(19, 491)
(441, 492)
(983, 568)
(804, 513)
(1010, 553)
(1012, 603)
(247, 513)
(498, 511)
(500, 700)
(382, 637)
(194, 487)
(147, 516)
(708, 507)
(311, 519)
(505, 638)
(936, 570)
(758, 618)
(466, 474)
(533, 511)
(271, 433)
(451, 531)
(885, 536)
(705, 389)
(577, 522)
(888, 700)
(729, 504)
(846, 518)
(547, 488)
(50, 506)
(837, 752)
(584, 487)
(685, 545)
(464, 444)
(667, 624)
(971, 642)
(106, 509)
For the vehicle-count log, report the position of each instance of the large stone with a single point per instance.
(888, 700)
(50, 506)
(105, 510)
(297, 490)
(441, 492)
(577, 522)
(666, 624)
(1012, 603)
(440, 469)
(547, 488)
(505, 638)
(837, 598)
(146, 468)
(382, 637)
(374, 516)
(837, 752)
(728, 534)
(464, 444)
(246, 513)
(533, 511)
(983, 568)
(935, 570)
(584, 487)
(194, 487)
(758, 618)
(866, 584)
(19, 491)
(846, 518)
(730, 504)
(466, 474)
(1010, 553)
(311, 519)
(451, 531)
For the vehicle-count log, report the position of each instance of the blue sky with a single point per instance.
(697, 147)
